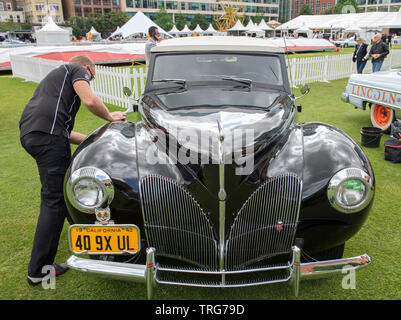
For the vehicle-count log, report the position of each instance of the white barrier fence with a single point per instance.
(325, 68)
(109, 81)
(32, 69)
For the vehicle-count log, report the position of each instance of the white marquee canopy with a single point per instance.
(138, 24)
(238, 27)
(52, 34)
(262, 25)
(365, 20)
(210, 30)
(95, 35)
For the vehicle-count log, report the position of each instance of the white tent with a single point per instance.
(274, 22)
(250, 24)
(364, 20)
(186, 30)
(51, 34)
(174, 30)
(256, 30)
(354, 29)
(210, 30)
(305, 30)
(394, 22)
(139, 24)
(238, 27)
(262, 25)
(93, 34)
(198, 30)
(116, 33)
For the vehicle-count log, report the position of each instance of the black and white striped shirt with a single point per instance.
(54, 105)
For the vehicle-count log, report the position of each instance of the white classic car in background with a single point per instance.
(381, 92)
(350, 42)
(396, 40)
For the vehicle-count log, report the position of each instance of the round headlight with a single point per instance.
(89, 188)
(350, 190)
(88, 193)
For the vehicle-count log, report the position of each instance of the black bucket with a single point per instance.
(371, 137)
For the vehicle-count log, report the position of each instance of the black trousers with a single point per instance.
(52, 155)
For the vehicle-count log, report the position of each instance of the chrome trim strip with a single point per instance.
(314, 270)
(150, 272)
(136, 272)
(114, 270)
(296, 270)
(220, 285)
(195, 271)
(222, 204)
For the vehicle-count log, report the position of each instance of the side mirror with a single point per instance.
(127, 91)
(305, 89)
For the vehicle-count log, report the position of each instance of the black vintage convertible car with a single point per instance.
(217, 185)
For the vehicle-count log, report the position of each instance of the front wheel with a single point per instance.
(381, 117)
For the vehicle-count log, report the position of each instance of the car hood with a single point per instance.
(218, 123)
(387, 80)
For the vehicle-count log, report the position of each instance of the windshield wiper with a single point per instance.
(179, 81)
(248, 82)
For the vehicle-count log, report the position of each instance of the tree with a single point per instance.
(346, 6)
(327, 11)
(80, 26)
(9, 25)
(305, 10)
(105, 24)
(201, 20)
(117, 19)
(259, 16)
(164, 20)
(180, 21)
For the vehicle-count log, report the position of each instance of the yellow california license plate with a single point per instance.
(108, 239)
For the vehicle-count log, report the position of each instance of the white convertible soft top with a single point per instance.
(217, 43)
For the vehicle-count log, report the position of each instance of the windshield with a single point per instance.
(244, 68)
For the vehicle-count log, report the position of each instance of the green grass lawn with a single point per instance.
(380, 237)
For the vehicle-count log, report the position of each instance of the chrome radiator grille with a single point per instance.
(266, 224)
(175, 223)
(177, 226)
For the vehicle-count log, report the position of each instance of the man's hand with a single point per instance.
(376, 55)
(118, 116)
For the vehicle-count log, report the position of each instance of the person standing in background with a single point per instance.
(154, 38)
(378, 52)
(359, 54)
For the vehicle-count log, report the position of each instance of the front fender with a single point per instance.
(328, 150)
(111, 148)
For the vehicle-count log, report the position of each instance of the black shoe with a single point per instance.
(59, 269)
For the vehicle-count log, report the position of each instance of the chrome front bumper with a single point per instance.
(147, 273)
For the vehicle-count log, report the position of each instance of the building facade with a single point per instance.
(379, 5)
(37, 11)
(285, 9)
(10, 10)
(317, 6)
(85, 7)
(209, 8)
